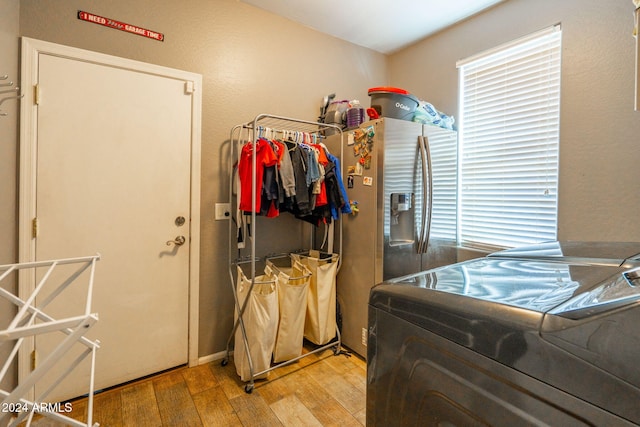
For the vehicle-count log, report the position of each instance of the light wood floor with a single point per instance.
(319, 390)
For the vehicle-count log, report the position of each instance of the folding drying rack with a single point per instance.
(30, 321)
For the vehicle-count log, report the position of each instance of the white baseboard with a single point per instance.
(213, 357)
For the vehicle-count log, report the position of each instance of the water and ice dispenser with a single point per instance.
(402, 223)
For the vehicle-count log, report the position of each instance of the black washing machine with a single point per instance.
(547, 335)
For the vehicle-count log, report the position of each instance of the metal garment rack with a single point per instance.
(254, 128)
(32, 320)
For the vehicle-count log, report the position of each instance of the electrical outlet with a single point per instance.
(364, 337)
(223, 211)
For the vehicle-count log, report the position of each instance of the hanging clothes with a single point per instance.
(287, 177)
(313, 167)
(265, 157)
(270, 194)
(301, 177)
(320, 188)
(299, 161)
(341, 200)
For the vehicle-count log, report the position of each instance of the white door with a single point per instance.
(113, 175)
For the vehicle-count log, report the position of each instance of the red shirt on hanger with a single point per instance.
(321, 198)
(264, 157)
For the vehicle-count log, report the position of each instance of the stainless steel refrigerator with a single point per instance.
(394, 179)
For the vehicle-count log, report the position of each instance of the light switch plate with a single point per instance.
(223, 211)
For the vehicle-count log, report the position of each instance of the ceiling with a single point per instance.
(382, 25)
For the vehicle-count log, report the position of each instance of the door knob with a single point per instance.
(178, 241)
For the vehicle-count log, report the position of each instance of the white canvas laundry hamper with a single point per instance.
(260, 319)
(320, 321)
(292, 280)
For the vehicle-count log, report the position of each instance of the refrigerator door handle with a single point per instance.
(427, 194)
(423, 218)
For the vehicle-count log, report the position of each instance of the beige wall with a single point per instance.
(252, 62)
(9, 17)
(599, 152)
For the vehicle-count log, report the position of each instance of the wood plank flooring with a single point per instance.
(319, 390)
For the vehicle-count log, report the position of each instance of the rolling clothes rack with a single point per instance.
(250, 365)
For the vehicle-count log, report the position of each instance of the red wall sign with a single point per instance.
(90, 17)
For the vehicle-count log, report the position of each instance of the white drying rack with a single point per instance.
(30, 321)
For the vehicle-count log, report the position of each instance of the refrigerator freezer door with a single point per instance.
(399, 172)
(443, 150)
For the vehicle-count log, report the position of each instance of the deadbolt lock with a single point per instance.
(180, 221)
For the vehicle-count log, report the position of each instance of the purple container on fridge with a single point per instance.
(355, 115)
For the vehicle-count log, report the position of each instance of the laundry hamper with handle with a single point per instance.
(292, 280)
(260, 320)
(320, 321)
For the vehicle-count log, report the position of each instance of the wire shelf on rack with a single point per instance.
(290, 124)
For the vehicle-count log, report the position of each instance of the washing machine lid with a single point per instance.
(538, 286)
(600, 253)
(554, 277)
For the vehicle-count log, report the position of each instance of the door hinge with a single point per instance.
(34, 360)
(36, 94)
(35, 227)
(189, 87)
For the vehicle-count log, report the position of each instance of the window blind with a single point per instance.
(509, 139)
(444, 162)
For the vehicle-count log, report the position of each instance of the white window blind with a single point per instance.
(444, 162)
(509, 138)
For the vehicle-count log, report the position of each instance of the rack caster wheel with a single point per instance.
(224, 362)
(248, 388)
(338, 351)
